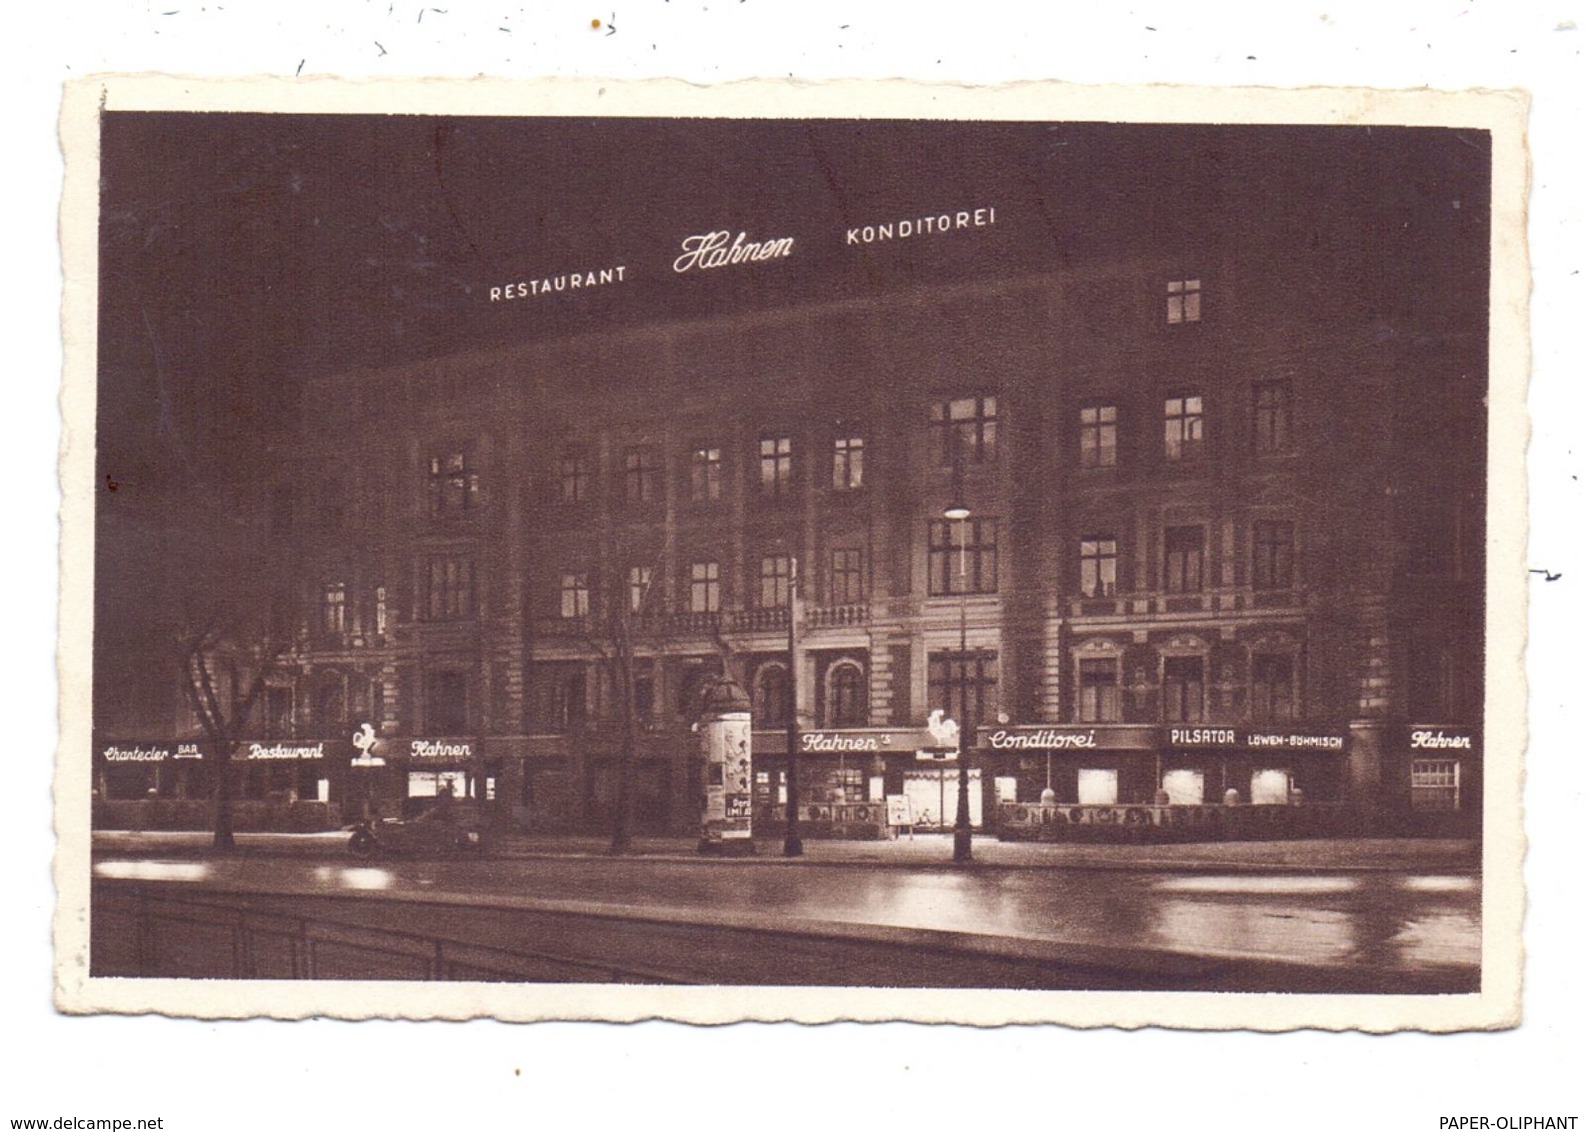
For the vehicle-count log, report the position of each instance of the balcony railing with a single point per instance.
(1207, 603)
(837, 616)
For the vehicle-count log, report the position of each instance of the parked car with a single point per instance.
(438, 830)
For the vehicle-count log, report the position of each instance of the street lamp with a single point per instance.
(957, 512)
(792, 845)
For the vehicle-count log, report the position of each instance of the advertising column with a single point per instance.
(725, 750)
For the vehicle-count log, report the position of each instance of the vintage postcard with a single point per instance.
(577, 550)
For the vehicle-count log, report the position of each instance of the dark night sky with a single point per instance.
(240, 253)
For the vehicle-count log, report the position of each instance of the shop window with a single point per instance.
(968, 429)
(1183, 428)
(962, 557)
(573, 476)
(846, 698)
(1184, 786)
(449, 588)
(453, 485)
(705, 591)
(1099, 425)
(1436, 785)
(1273, 689)
(1100, 561)
(849, 463)
(975, 675)
(706, 474)
(1097, 787)
(1272, 551)
(1271, 787)
(772, 590)
(1098, 690)
(1183, 559)
(777, 465)
(574, 595)
(771, 707)
(1183, 689)
(846, 577)
(1271, 416)
(1183, 301)
(642, 476)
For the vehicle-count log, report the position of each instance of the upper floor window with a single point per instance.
(1183, 559)
(846, 695)
(1273, 688)
(334, 609)
(453, 484)
(846, 578)
(969, 429)
(639, 587)
(1183, 428)
(777, 465)
(975, 675)
(1099, 565)
(642, 475)
(773, 588)
(1098, 690)
(706, 474)
(1098, 435)
(1271, 416)
(574, 595)
(1271, 554)
(449, 587)
(573, 477)
(705, 594)
(1183, 689)
(849, 462)
(1183, 301)
(963, 557)
(771, 705)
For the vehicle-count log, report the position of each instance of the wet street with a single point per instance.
(1383, 923)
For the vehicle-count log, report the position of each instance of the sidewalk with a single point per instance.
(924, 851)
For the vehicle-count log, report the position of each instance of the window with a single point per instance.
(706, 474)
(1273, 689)
(1271, 554)
(846, 581)
(1099, 566)
(1099, 424)
(1183, 689)
(575, 595)
(976, 672)
(771, 705)
(1183, 560)
(639, 587)
(449, 588)
(566, 701)
(334, 609)
(777, 465)
(573, 472)
(849, 463)
(1183, 428)
(1183, 301)
(1271, 416)
(642, 475)
(846, 695)
(1098, 690)
(705, 596)
(1436, 784)
(969, 428)
(382, 613)
(773, 590)
(699, 671)
(453, 485)
(447, 702)
(963, 557)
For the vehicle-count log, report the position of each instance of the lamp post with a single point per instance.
(792, 845)
(957, 512)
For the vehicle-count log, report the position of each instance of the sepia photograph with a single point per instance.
(1035, 557)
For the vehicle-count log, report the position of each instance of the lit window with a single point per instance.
(1099, 424)
(1436, 784)
(334, 609)
(1099, 565)
(963, 557)
(773, 592)
(1183, 301)
(1183, 428)
(849, 462)
(1271, 416)
(846, 581)
(639, 587)
(777, 465)
(968, 429)
(706, 474)
(454, 485)
(1183, 559)
(575, 595)
(642, 475)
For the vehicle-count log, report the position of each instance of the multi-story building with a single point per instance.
(1224, 544)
